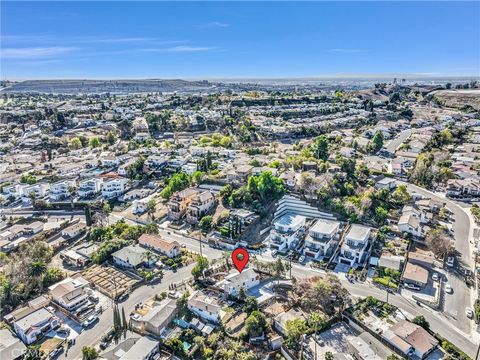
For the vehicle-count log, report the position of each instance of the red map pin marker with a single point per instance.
(240, 258)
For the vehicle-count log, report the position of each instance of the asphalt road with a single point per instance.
(92, 336)
(462, 297)
(439, 322)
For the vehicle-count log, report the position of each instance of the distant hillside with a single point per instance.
(465, 99)
(111, 86)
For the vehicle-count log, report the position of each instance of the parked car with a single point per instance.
(450, 261)
(63, 331)
(435, 277)
(93, 298)
(90, 320)
(412, 286)
(469, 312)
(54, 354)
(122, 297)
(448, 289)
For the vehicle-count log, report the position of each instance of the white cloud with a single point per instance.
(34, 52)
(214, 24)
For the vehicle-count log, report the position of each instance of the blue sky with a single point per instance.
(237, 39)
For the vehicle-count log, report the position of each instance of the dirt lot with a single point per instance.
(459, 98)
(109, 280)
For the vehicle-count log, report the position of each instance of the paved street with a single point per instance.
(92, 336)
(455, 304)
(439, 322)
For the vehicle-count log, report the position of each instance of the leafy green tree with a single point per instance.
(94, 142)
(401, 196)
(33, 352)
(111, 138)
(295, 329)
(377, 141)
(28, 179)
(176, 182)
(421, 321)
(89, 353)
(200, 267)
(52, 276)
(205, 222)
(75, 143)
(320, 148)
(265, 186)
(196, 177)
(255, 324)
(329, 355)
(250, 304)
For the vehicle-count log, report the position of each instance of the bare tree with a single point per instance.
(439, 242)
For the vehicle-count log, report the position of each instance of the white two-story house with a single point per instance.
(235, 281)
(30, 327)
(90, 187)
(114, 187)
(61, 190)
(70, 293)
(355, 247)
(286, 230)
(205, 306)
(322, 238)
(37, 190)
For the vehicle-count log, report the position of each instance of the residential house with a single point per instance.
(156, 320)
(90, 187)
(32, 326)
(60, 190)
(234, 282)
(131, 257)
(200, 205)
(322, 238)
(157, 243)
(386, 183)
(286, 231)
(189, 168)
(69, 293)
(114, 187)
(410, 224)
(280, 321)
(356, 245)
(411, 339)
(178, 204)
(463, 188)
(243, 172)
(133, 346)
(108, 160)
(415, 274)
(155, 162)
(10, 346)
(36, 190)
(205, 306)
(290, 178)
(74, 230)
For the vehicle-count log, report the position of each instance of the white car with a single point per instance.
(91, 319)
(435, 277)
(450, 261)
(469, 312)
(448, 289)
(412, 286)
